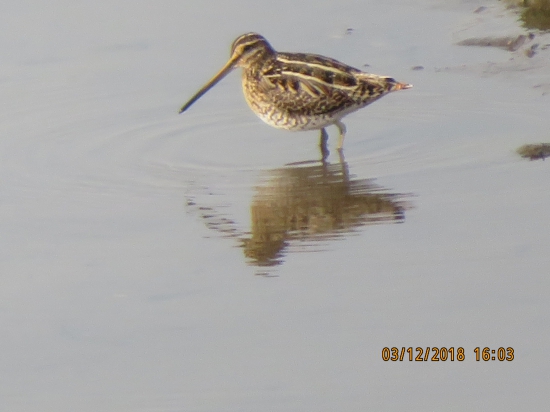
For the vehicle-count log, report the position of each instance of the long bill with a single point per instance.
(212, 82)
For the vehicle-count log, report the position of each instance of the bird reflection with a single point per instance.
(303, 204)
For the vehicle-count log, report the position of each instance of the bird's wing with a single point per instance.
(315, 85)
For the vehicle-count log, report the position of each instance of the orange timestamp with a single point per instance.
(437, 354)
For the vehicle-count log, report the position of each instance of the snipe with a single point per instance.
(299, 91)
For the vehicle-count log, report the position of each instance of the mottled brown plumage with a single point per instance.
(299, 91)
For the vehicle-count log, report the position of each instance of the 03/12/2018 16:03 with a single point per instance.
(436, 354)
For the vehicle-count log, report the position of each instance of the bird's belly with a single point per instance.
(293, 121)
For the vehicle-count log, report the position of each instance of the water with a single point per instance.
(133, 262)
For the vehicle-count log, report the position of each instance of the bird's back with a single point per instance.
(310, 84)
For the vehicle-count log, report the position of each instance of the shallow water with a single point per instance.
(133, 238)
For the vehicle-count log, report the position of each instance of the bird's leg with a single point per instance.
(342, 159)
(323, 145)
(342, 129)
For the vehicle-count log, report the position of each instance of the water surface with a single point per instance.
(132, 237)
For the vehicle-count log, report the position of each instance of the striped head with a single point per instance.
(250, 48)
(246, 50)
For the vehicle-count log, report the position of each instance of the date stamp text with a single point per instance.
(443, 354)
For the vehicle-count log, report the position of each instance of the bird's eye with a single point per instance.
(248, 47)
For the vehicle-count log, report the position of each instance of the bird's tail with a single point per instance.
(395, 85)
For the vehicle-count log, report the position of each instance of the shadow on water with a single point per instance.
(301, 204)
(509, 43)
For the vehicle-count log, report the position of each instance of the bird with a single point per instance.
(299, 91)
